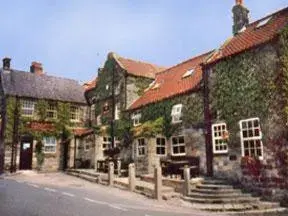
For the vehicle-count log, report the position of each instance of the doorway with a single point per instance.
(26, 154)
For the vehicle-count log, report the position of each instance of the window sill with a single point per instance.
(180, 154)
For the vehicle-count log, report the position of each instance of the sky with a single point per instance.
(72, 38)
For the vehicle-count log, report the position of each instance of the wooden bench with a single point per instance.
(173, 165)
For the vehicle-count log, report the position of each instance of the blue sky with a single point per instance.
(72, 37)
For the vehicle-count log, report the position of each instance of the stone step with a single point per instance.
(214, 186)
(212, 191)
(218, 195)
(214, 182)
(226, 207)
(234, 200)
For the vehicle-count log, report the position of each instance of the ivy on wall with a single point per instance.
(243, 87)
(141, 84)
(159, 114)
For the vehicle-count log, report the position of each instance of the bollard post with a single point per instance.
(158, 182)
(110, 173)
(119, 167)
(187, 185)
(132, 178)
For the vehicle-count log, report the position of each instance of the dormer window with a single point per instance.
(136, 117)
(263, 22)
(188, 73)
(156, 86)
(177, 113)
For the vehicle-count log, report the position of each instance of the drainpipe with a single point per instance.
(75, 147)
(2, 133)
(207, 120)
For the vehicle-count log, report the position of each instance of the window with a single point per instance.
(160, 146)
(178, 145)
(177, 113)
(188, 73)
(251, 138)
(141, 147)
(49, 144)
(92, 112)
(136, 118)
(117, 111)
(75, 113)
(87, 146)
(52, 110)
(106, 108)
(106, 144)
(27, 107)
(219, 138)
(263, 22)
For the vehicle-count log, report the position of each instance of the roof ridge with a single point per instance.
(140, 61)
(268, 15)
(58, 77)
(185, 61)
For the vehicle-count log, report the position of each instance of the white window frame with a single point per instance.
(218, 131)
(178, 145)
(49, 144)
(117, 112)
(141, 149)
(53, 111)
(106, 140)
(176, 113)
(29, 106)
(75, 115)
(161, 146)
(136, 117)
(252, 138)
(92, 112)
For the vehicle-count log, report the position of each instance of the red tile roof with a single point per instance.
(82, 131)
(90, 85)
(252, 36)
(41, 126)
(138, 68)
(170, 82)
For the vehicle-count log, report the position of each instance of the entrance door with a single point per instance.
(26, 150)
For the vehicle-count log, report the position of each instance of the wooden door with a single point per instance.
(26, 153)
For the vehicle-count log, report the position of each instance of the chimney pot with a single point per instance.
(6, 63)
(36, 68)
(239, 2)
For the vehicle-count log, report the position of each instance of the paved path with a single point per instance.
(57, 194)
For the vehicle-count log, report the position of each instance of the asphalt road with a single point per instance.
(23, 198)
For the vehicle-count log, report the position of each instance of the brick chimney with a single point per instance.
(240, 16)
(6, 63)
(36, 68)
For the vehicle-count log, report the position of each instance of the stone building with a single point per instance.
(175, 99)
(246, 104)
(119, 83)
(34, 108)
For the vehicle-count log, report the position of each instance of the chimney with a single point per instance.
(6, 63)
(36, 68)
(240, 16)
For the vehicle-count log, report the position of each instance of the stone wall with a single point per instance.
(86, 151)
(268, 182)
(195, 146)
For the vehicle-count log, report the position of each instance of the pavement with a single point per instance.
(33, 194)
(29, 193)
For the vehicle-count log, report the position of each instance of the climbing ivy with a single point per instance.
(158, 115)
(141, 84)
(283, 41)
(243, 87)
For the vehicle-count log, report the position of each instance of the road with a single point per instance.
(61, 195)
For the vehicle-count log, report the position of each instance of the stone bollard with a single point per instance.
(187, 185)
(158, 183)
(132, 178)
(119, 167)
(110, 173)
